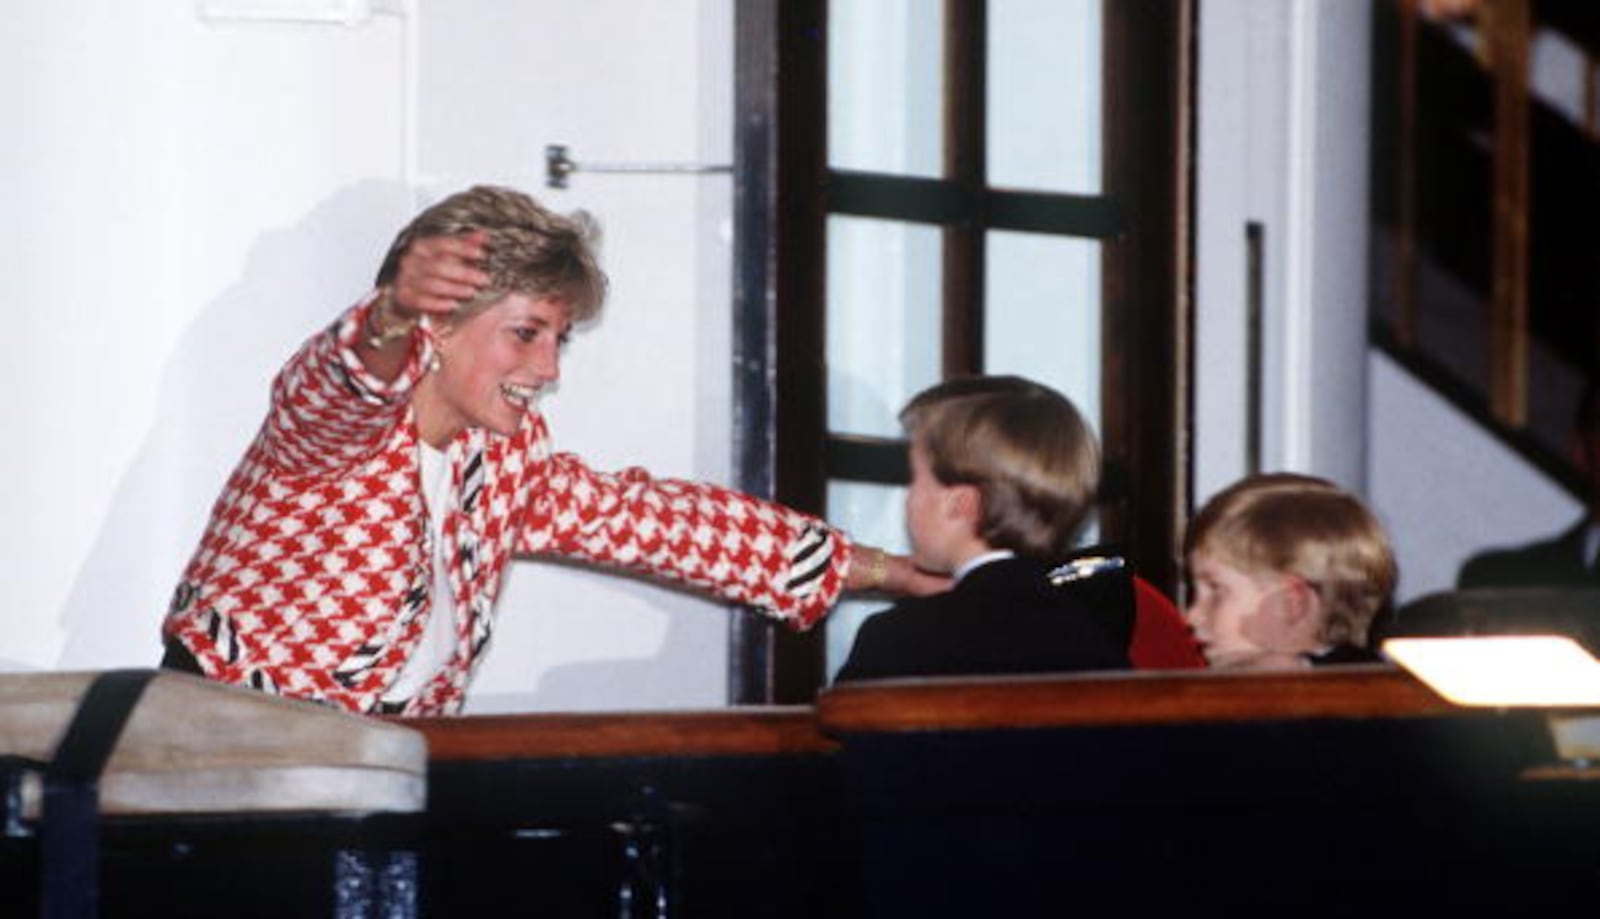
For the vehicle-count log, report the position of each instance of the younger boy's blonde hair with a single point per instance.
(1287, 524)
(1035, 462)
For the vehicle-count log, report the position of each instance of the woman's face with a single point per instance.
(492, 367)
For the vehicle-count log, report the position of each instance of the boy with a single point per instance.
(1003, 475)
(1288, 571)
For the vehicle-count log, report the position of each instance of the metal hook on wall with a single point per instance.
(559, 165)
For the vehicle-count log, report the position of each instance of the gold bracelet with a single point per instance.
(878, 572)
(379, 331)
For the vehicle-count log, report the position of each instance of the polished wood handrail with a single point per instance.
(1147, 698)
(954, 704)
(763, 731)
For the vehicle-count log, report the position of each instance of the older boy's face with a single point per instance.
(1224, 610)
(928, 519)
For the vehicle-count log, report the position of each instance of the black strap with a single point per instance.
(69, 838)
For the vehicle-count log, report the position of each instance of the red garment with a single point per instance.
(313, 578)
(1162, 640)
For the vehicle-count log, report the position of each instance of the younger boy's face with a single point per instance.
(1228, 611)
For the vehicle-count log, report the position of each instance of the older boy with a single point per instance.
(1288, 571)
(1003, 475)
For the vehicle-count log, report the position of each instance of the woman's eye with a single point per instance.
(526, 336)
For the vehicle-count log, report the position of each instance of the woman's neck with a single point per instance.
(437, 425)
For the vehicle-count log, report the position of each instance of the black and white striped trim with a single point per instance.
(809, 555)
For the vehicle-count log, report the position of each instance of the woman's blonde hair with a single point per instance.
(531, 250)
(1282, 523)
(1035, 462)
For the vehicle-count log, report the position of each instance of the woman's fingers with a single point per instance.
(438, 273)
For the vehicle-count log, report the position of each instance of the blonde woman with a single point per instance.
(355, 555)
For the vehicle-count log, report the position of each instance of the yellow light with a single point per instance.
(1545, 671)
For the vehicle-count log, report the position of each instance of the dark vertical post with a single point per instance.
(1145, 297)
(1510, 26)
(966, 37)
(779, 175)
(1255, 246)
(1405, 230)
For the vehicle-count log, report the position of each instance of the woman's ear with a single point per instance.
(443, 331)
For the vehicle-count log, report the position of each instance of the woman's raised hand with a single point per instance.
(439, 273)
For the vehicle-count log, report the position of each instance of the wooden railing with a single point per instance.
(944, 705)
(720, 732)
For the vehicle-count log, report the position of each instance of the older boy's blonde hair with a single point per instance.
(532, 250)
(1281, 523)
(1035, 462)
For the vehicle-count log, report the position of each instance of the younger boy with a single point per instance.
(1003, 475)
(1288, 571)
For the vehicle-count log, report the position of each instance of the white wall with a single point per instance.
(1282, 141)
(1445, 489)
(188, 200)
(182, 208)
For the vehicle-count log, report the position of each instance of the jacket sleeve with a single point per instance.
(787, 564)
(328, 411)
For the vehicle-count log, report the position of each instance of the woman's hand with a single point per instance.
(439, 273)
(435, 276)
(872, 569)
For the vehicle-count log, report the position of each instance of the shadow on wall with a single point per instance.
(212, 398)
(537, 665)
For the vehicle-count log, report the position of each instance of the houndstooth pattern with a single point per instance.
(313, 576)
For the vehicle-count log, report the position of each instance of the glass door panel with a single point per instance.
(874, 515)
(885, 86)
(1044, 95)
(1042, 319)
(883, 322)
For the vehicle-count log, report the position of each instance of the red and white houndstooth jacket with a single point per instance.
(313, 578)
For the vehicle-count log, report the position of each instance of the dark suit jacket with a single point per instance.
(1554, 562)
(1003, 617)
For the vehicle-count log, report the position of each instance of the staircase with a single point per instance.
(1486, 204)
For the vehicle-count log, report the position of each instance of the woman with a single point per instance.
(355, 555)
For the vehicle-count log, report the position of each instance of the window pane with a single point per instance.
(885, 80)
(1043, 318)
(883, 321)
(1044, 95)
(873, 515)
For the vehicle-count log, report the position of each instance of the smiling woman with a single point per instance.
(356, 553)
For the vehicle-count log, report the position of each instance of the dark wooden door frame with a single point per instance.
(782, 194)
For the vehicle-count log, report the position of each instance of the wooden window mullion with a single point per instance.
(965, 166)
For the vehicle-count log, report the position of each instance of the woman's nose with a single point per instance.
(547, 362)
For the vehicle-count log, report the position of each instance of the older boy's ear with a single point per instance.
(966, 503)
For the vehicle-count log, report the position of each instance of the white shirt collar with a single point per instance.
(978, 561)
